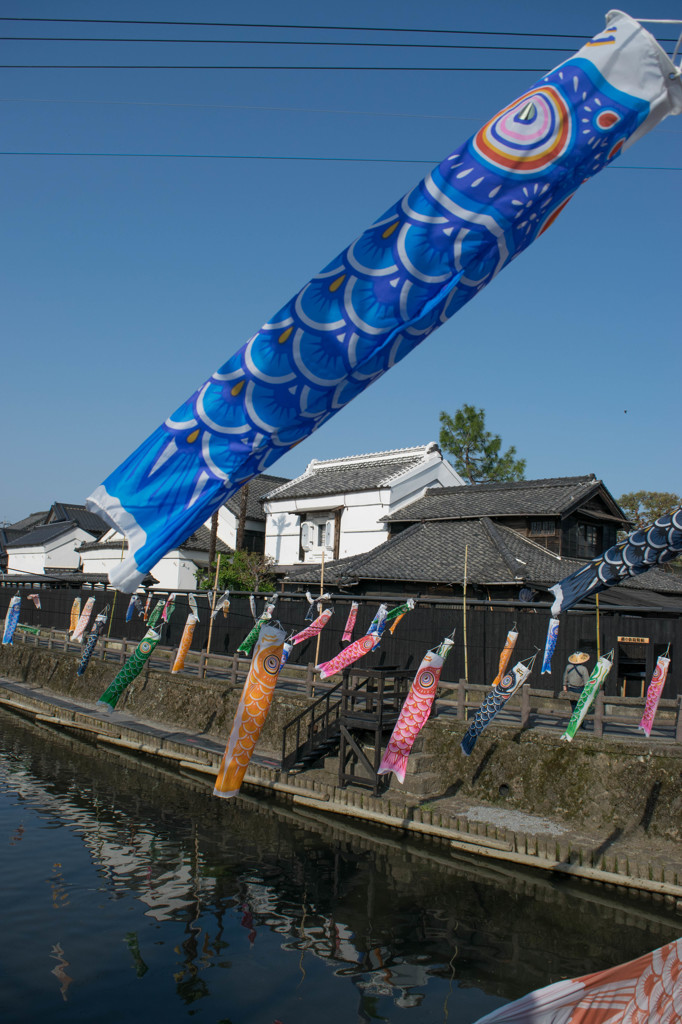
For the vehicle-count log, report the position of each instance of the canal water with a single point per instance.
(131, 894)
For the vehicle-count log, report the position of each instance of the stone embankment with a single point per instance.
(599, 809)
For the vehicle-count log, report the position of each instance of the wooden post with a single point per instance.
(525, 707)
(309, 680)
(461, 700)
(210, 625)
(235, 668)
(599, 714)
(464, 615)
(678, 724)
(122, 654)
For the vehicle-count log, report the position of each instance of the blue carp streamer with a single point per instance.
(641, 550)
(421, 261)
(90, 644)
(11, 619)
(550, 646)
(494, 700)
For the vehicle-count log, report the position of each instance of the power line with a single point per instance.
(313, 28)
(250, 67)
(284, 42)
(247, 156)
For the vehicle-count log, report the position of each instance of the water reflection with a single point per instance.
(163, 900)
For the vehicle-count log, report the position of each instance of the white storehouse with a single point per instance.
(336, 506)
(50, 543)
(177, 570)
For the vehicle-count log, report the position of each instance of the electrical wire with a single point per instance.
(285, 42)
(314, 28)
(247, 156)
(250, 67)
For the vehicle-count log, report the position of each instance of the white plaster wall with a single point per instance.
(59, 553)
(282, 535)
(25, 560)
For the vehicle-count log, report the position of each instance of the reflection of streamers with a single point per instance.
(59, 894)
(57, 953)
(133, 945)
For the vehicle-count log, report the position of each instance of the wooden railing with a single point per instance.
(532, 708)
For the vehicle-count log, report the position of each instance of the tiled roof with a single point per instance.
(433, 553)
(552, 496)
(87, 520)
(41, 534)
(28, 522)
(258, 488)
(353, 473)
(200, 540)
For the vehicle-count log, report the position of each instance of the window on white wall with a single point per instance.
(317, 534)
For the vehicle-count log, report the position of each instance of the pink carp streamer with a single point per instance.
(36, 600)
(75, 614)
(653, 694)
(505, 655)
(414, 713)
(185, 642)
(348, 655)
(643, 991)
(83, 620)
(313, 629)
(252, 711)
(350, 623)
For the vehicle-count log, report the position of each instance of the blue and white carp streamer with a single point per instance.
(420, 262)
(641, 550)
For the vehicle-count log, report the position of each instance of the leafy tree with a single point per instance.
(241, 570)
(642, 507)
(476, 452)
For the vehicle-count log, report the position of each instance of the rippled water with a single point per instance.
(129, 893)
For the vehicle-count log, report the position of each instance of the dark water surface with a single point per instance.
(131, 894)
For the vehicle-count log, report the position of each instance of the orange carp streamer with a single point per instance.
(505, 655)
(252, 711)
(643, 991)
(185, 642)
(75, 614)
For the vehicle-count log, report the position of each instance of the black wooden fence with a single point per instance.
(649, 632)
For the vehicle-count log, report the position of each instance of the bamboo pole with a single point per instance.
(464, 615)
(210, 625)
(596, 598)
(317, 645)
(113, 603)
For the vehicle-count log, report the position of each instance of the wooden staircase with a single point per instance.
(356, 715)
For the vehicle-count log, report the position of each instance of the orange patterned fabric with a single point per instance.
(75, 614)
(252, 711)
(643, 991)
(185, 642)
(505, 655)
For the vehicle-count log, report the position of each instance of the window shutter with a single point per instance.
(306, 536)
(329, 534)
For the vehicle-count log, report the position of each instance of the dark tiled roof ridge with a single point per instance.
(390, 453)
(506, 485)
(498, 541)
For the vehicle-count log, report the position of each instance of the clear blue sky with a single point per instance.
(127, 280)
